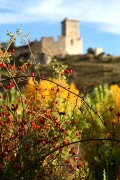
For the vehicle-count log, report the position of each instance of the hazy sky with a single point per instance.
(99, 20)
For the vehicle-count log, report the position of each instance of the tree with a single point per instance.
(91, 51)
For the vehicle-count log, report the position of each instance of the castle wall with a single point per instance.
(52, 47)
(64, 45)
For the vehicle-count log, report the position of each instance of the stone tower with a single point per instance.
(70, 28)
(73, 41)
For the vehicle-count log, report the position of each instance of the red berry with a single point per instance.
(33, 74)
(62, 129)
(74, 121)
(67, 161)
(42, 121)
(2, 65)
(19, 99)
(66, 71)
(43, 97)
(70, 71)
(43, 142)
(11, 67)
(20, 68)
(13, 50)
(79, 165)
(47, 128)
(75, 158)
(29, 64)
(77, 134)
(65, 142)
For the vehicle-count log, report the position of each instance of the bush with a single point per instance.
(49, 130)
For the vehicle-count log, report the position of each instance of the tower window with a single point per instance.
(71, 41)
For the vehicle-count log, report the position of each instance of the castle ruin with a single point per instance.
(69, 42)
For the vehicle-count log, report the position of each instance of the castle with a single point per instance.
(69, 42)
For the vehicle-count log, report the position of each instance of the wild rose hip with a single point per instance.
(68, 71)
(79, 165)
(13, 50)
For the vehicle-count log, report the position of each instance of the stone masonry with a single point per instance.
(69, 42)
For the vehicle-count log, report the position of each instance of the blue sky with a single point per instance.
(99, 20)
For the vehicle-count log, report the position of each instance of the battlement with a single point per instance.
(50, 39)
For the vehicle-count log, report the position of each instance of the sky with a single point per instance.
(99, 20)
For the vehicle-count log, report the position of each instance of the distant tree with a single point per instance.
(91, 51)
(108, 54)
(3, 46)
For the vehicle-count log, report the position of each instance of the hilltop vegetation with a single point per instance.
(87, 68)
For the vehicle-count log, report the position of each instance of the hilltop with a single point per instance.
(87, 68)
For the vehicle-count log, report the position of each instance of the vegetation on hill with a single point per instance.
(87, 68)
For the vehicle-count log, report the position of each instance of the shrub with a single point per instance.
(38, 122)
(49, 130)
